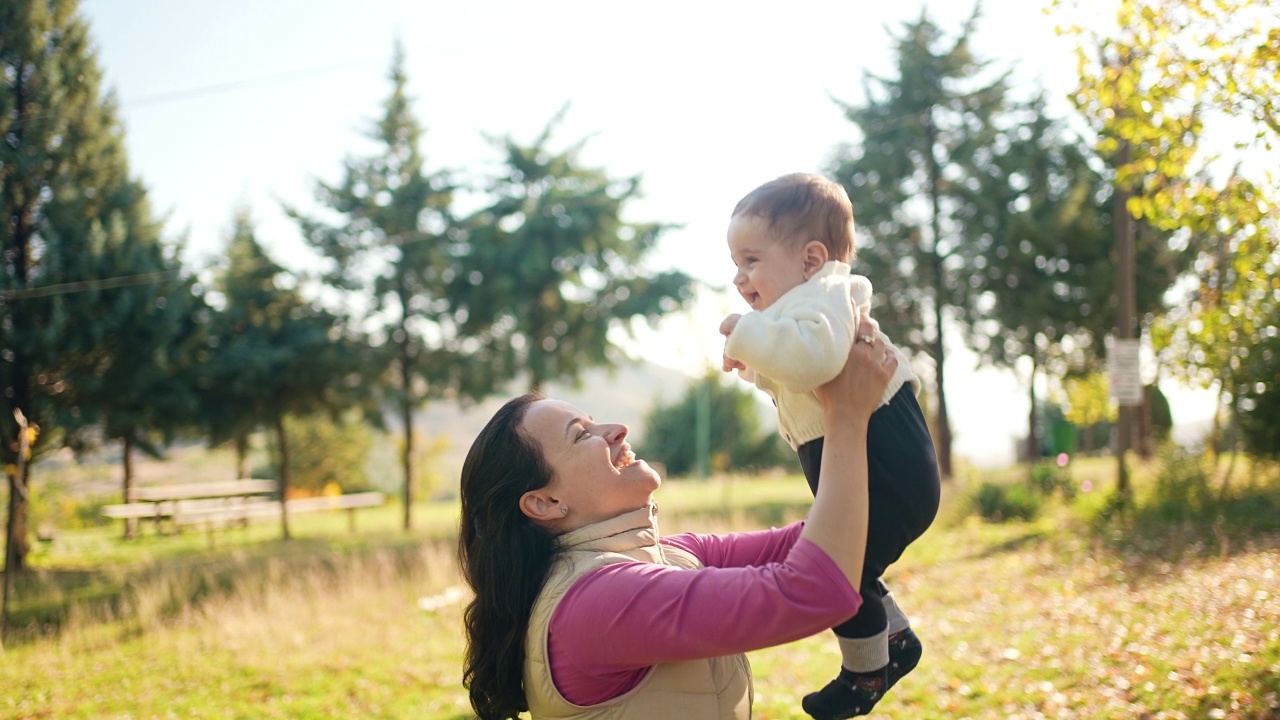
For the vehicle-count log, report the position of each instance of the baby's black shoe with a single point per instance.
(851, 694)
(904, 654)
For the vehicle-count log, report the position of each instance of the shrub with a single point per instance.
(1182, 490)
(999, 503)
(1048, 478)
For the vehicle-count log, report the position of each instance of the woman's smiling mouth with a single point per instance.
(625, 457)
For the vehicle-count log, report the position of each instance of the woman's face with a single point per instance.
(594, 473)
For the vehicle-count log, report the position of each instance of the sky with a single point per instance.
(243, 102)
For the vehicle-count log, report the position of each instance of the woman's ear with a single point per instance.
(814, 256)
(539, 506)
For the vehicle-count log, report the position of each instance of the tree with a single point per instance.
(1088, 404)
(328, 454)
(736, 435)
(1041, 274)
(907, 179)
(272, 354)
(1260, 401)
(79, 254)
(390, 253)
(140, 388)
(1156, 86)
(551, 269)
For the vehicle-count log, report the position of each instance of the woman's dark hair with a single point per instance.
(505, 558)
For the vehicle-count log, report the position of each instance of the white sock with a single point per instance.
(865, 654)
(897, 619)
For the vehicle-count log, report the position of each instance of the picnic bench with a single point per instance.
(224, 503)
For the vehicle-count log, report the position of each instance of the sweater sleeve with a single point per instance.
(739, 549)
(804, 342)
(618, 621)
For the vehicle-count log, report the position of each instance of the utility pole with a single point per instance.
(1125, 310)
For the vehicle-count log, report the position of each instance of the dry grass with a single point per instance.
(1056, 618)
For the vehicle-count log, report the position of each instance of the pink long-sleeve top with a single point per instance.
(758, 589)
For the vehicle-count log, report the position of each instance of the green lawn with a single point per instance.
(1059, 617)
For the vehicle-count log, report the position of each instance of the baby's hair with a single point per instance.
(801, 207)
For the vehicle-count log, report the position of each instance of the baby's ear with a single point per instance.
(814, 255)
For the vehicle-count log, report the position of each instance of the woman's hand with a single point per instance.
(857, 390)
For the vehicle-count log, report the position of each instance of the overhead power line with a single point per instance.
(86, 285)
(168, 96)
(175, 95)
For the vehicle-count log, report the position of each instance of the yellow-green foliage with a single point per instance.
(325, 453)
(1088, 402)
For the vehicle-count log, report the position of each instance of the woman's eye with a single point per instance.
(583, 436)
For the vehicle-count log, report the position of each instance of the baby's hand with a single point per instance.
(728, 324)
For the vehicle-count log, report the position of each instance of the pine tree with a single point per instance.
(390, 254)
(1042, 276)
(272, 354)
(920, 131)
(139, 387)
(552, 269)
(77, 245)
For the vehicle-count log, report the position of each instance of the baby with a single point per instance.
(791, 240)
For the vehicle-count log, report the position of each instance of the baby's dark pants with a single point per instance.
(903, 487)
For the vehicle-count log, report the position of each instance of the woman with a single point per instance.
(581, 612)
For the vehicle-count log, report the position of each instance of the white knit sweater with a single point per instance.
(802, 340)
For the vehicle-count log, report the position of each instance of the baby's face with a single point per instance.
(767, 266)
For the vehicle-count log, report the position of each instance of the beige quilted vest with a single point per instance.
(713, 689)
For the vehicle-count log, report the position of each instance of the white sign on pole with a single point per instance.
(1122, 369)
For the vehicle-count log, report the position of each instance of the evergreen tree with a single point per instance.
(390, 254)
(908, 179)
(140, 388)
(551, 268)
(79, 254)
(272, 354)
(1042, 277)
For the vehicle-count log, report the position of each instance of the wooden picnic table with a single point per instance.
(216, 504)
(173, 502)
(205, 490)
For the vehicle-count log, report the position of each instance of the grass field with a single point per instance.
(1074, 614)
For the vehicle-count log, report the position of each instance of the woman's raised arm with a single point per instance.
(838, 519)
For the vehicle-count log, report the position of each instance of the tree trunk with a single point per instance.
(406, 400)
(130, 524)
(935, 262)
(406, 415)
(16, 543)
(15, 533)
(1033, 448)
(242, 455)
(16, 547)
(282, 440)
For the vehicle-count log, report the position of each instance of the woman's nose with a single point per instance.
(614, 432)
